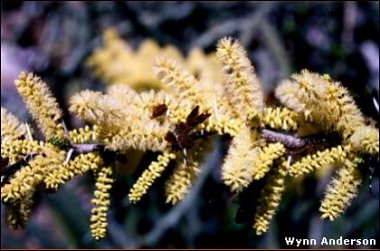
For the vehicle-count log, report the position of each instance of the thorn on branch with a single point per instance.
(66, 131)
(69, 155)
(29, 131)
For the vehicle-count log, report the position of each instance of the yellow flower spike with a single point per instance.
(96, 108)
(280, 118)
(170, 51)
(40, 103)
(120, 129)
(270, 197)
(11, 128)
(17, 214)
(124, 121)
(112, 62)
(28, 177)
(223, 126)
(148, 48)
(265, 158)
(237, 166)
(79, 165)
(242, 87)
(179, 183)
(153, 98)
(101, 202)
(184, 86)
(205, 68)
(109, 61)
(16, 149)
(321, 101)
(196, 61)
(318, 160)
(125, 95)
(351, 117)
(110, 36)
(341, 191)
(152, 137)
(83, 135)
(184, 174)
(149, 101)
(179, 114)
(289, 94)
(365, 140)
(149, 175)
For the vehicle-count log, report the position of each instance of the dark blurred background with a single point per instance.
(54, 38)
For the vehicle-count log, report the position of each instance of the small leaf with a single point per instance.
(159, 110)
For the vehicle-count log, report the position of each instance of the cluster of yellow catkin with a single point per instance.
(44, 162)
(175, 109)
(232, 95)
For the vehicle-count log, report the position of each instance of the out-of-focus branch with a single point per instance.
(250, 22)
(274, 43)
(117, 234)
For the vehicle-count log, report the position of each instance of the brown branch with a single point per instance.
(297, 145)
(289, 141)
